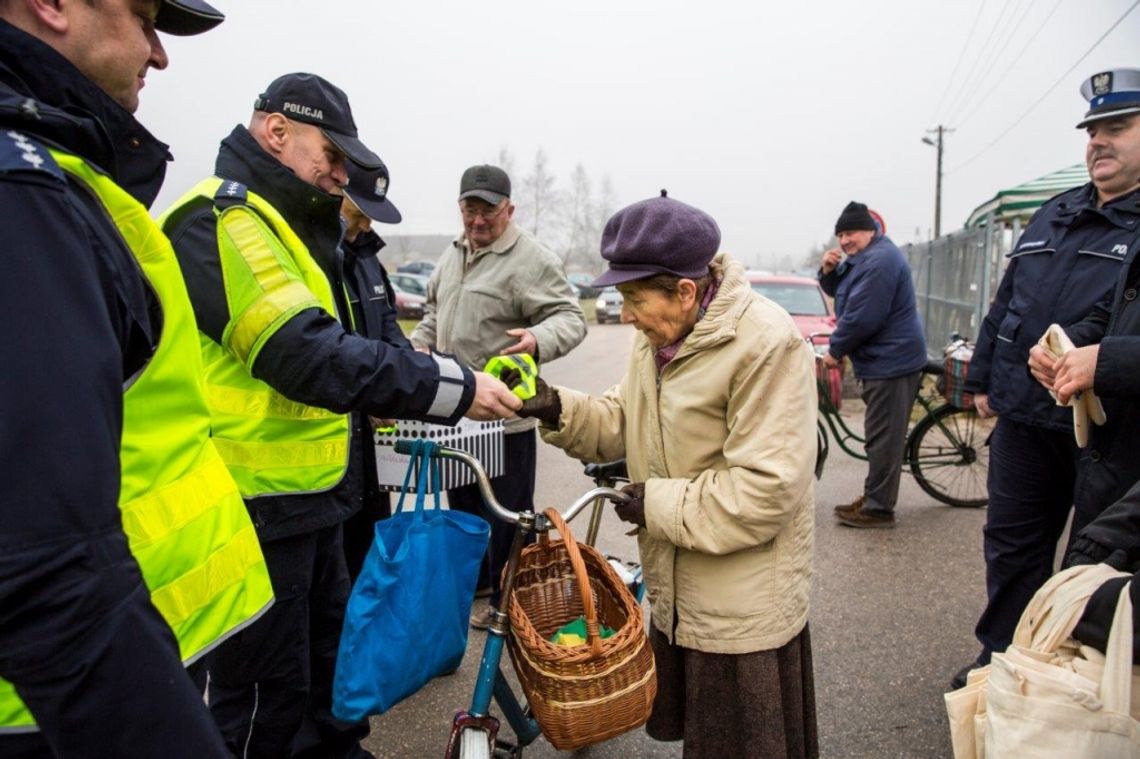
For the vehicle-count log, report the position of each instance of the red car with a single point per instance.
(804, 299)
(408, 305)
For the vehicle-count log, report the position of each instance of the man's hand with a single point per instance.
(378, 423)
(830, 361)
(1075, 371)
(831, 259)
(1043, 366)
(423, 349)
(632, 511)
(526, 344)
(493, 400)
(982, 405)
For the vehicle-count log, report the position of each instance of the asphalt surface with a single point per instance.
(891, 619)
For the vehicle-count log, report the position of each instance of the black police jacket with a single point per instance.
(77, 322)
(1065, 262)
(1111, 464)
(312, 358)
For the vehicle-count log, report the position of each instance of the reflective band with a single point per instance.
(448, 367)
(447, 398)
(226, 567)
(164, 511)
(282, 294)
(259, 456)
(265, 404)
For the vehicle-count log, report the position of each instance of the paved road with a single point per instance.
(891, 620)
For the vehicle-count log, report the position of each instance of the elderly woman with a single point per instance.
(716, 418)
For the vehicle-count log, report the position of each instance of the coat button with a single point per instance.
(134, 142)
(1095, 456)
(1130, 293)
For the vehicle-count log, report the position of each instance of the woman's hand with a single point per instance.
(633, 510)
(545, 406)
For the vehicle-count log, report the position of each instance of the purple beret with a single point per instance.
(658, 236)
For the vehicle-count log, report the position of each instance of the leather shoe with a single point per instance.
(482, 619)
(852, 507)
(860, 518)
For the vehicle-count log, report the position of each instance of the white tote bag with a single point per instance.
(1041, 698)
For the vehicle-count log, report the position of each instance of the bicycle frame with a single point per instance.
(490, 683)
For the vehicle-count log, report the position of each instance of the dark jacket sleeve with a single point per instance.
(868, 305)
(1093, 327)
(1095, 623)
(64, 564)
(978, 378)
(828, 281)
(1113, 536)
(313, 360)
(1118, 368)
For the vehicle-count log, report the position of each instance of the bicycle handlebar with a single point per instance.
(484, 482)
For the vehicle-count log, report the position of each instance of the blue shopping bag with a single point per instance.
(407, 617)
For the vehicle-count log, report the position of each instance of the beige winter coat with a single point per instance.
(726, 445)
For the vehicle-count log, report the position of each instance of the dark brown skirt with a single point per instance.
(736, 705)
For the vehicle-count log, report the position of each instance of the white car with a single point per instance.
(608, 306)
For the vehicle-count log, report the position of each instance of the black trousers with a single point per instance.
(1031, 478)
(515, 491)
(271, 684)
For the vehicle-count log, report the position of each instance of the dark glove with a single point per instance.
(545, 406)
(633, 511)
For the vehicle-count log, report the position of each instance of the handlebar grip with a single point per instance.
(404, 446)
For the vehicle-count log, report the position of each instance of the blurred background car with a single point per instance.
(408, 305)
(416, 284)
(608, 306)
(813, 313)
(417, 267)
(580, 281)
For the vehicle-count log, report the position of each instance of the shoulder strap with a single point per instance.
(231, 193)
(21, 153)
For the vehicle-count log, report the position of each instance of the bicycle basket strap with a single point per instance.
(589, 612)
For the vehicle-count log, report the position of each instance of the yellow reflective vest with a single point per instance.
(184, 518)
(271, 444)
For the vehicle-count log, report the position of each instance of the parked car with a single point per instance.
(812, 311)
(608, 306)
(581, 282)
(408, 305)
(416, 284)
(417, 267)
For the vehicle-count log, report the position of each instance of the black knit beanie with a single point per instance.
(854, 216)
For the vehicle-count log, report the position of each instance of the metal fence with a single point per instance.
(955, 277)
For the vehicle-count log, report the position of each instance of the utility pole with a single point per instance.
(940, 131)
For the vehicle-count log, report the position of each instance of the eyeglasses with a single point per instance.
(471, 212)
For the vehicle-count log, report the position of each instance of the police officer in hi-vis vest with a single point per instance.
(125, 548)
(257, 244)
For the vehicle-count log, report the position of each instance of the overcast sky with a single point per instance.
(769, 116)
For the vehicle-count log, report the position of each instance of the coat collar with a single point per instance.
(312, 213)
(69, 111)
(503, 244)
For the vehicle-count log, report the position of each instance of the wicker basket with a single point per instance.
(579, 694)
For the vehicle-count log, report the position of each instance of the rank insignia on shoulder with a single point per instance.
(231, 193)
(18, 152)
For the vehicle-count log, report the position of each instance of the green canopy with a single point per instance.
(1021, 201)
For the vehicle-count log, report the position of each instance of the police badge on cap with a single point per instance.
(1111, 94)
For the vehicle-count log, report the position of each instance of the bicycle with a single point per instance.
(474, 732)
(945, 450)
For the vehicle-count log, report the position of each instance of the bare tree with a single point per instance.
(538, 200)
(577, 218)
(506, 162)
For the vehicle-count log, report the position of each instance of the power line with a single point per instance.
(983, 54)
(1001, 78)
(1044, 95)
(961, 56)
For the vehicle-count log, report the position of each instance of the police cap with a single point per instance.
(1111, 94)
(184, 18)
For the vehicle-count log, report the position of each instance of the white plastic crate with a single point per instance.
(483, 440)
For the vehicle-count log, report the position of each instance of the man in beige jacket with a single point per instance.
(498, 290)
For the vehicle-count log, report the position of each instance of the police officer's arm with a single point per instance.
(1118, 358)
(551, 308)
(311, 359)
(1092, 328)
(868, 305)
(978, 376)
(65, 332)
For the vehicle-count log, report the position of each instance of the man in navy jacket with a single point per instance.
(879, 329)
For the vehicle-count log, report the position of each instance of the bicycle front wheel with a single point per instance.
(949, 458)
